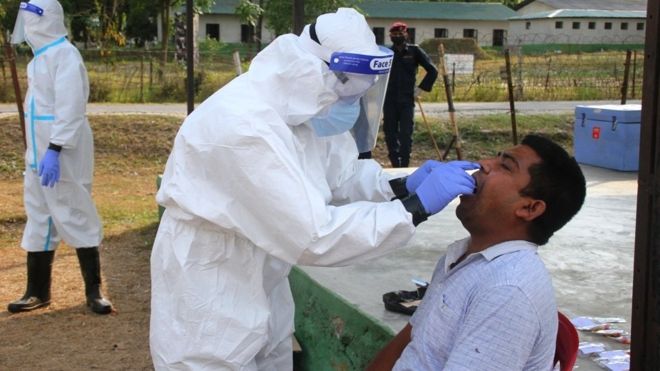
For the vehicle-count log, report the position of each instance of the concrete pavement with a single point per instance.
(462, 109)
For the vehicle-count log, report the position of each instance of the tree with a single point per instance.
(252, 14)
(166, 22)
(141, 21)
(8, 11)
(278, 13)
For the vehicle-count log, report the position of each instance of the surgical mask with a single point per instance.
(340, 118)
(398, 40)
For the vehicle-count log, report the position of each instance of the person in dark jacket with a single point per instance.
(399, 108)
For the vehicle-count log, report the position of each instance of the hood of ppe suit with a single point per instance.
(43, 30)
(291, 80)
(343, 31)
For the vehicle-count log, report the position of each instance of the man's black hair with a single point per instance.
(559, 182)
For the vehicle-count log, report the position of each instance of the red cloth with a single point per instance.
(398, 26)
(567, 344)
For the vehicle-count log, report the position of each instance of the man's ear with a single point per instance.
(531, 209)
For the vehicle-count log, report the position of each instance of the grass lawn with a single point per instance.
(131, 151)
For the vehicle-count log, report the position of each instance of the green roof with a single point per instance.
(582, 13)
(436, 10)
(411, 10)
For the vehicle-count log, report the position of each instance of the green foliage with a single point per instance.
(278, 12)
(8, 11)
(98, 92)
(249, 12)
(483, 136)
(539, 49)
(141, 21)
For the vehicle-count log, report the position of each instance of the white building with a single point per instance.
(486, 22)
(534, 22)
(578, 22)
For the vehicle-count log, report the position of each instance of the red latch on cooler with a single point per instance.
(595, 132)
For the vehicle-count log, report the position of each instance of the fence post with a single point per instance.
(11, 59)
(453, 77)
(626, 71)
(512, 106)
(237, 63)
(519, 79)
(634, 73)
(142, 79)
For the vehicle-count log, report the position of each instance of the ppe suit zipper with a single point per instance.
(50, 225)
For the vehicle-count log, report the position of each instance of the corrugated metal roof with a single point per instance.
(582, 13)
(590, 4)
(411, 10)
(436, 10)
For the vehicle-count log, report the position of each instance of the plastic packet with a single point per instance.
(586, 348)
(611, 332)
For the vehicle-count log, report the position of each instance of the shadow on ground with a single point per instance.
(67, 335)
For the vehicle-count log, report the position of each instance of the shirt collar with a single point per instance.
(458, 248)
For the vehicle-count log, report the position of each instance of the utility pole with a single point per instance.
(190, 56)
(298, 16)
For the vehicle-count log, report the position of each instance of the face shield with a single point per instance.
(364, 78)
(27, 14)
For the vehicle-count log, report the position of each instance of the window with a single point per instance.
(624, 25)
(592, 25)
(559, 25)
(499, 37)
(379, 32)
(608, 25)
(247, 33)
(470, 33)
(640, 26)
(440, 33)
(576, 25)
(411, 35)
(213, 31)
(528, 25)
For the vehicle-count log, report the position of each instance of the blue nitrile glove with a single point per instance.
(442, 185)
(417, 177)
(49, 168)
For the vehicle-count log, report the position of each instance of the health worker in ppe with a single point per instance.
(59, 158)
(264, 175)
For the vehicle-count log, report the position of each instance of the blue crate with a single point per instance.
(608, 136)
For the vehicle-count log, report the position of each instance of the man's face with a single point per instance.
(398, 36)
(499, 182)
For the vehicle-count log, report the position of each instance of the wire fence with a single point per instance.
(551, 76)
(131, 76)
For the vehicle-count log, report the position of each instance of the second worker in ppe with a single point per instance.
(264, 175)
(59, 158)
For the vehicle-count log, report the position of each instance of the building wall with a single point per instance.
(425, 29)
(534, 7)
(543, 31)
(230, 28)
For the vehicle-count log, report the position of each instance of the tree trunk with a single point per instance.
(260, 22)
(166, 29)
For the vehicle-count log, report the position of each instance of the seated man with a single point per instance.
(491, 305)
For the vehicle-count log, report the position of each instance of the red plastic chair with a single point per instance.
(567, 344)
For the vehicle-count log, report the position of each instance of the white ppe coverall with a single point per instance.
(55, 105)
(250, 190)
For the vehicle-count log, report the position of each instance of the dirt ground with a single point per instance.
(130, 152)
